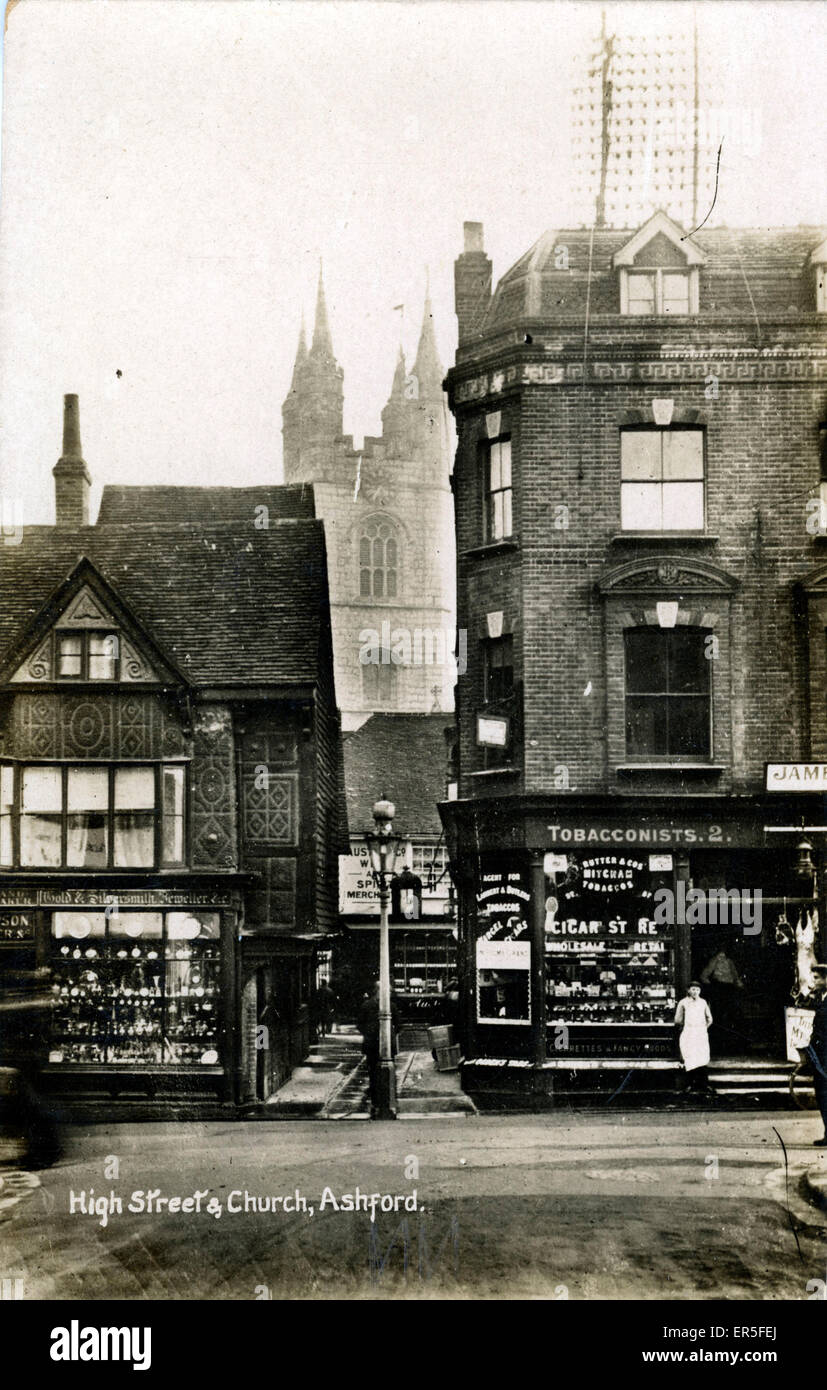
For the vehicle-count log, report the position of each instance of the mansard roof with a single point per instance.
(402, 757)
(550, 280)
(233, 505)
(225, 604)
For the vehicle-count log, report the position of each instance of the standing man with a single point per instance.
(325, 1008)
(694, 1019)
(723, 982)
(817, 1049)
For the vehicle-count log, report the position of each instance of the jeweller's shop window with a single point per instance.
(135, 988)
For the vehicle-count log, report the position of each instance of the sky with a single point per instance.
(173, 170)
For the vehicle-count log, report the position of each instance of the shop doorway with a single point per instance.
(746, 972)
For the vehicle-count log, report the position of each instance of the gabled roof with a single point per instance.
(231, 505)
(659, 224)
(86, 600)
(402, 757)
(226, 604)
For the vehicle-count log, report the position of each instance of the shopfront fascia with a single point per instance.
(142, 985)
(579, 934)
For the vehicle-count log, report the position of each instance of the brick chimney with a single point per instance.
(472, 282)
(72, 480)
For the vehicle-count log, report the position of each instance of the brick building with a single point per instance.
(170, 767)
(388, 521)
(378, 763)
(642, 570)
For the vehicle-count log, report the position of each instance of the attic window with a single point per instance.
(92, 656)
(664, 291)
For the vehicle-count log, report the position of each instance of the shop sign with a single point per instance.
(796, 777)
(498, 955)
(611, 873)
(503, 951)
(105, 897)
(358, 895)
(16, 926)
(799, 1027)
(622, 833)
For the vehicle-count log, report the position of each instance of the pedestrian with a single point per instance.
(720, 975)
(694, 1019)
(368, 1025)
(817, 1048)
(325, 1008)
(24, 1006)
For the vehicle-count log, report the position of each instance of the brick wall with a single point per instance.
(762, 467)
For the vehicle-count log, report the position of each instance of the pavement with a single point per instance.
(332, 1084)
(570, 1205)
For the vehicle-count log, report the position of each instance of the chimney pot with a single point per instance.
(71, 428)
(72, 480)
(473, 236)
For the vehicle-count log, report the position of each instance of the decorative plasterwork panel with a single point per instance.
(85, 610)
(213, 818)
(656, 576)
(38, 666)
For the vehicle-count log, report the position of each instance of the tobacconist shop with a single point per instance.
(578, 940)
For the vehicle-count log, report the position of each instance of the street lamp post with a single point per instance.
(382, 846)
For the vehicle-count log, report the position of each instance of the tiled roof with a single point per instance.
(232, 505)
(774, 261)
(401, 757)
(225, 604)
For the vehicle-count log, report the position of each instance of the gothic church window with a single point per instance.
(378, 559)
(379, 685)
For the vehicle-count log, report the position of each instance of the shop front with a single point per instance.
(142, 991)
(422, 934)
(580, 937)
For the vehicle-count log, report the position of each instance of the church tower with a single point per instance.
(388, 514)
(312, 413)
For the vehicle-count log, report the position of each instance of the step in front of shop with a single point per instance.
(513, 1084)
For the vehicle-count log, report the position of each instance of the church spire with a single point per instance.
(427, 368)
(322, 341)
(301, 353)
(395, 416)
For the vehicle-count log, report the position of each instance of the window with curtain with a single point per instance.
(662, 480)
(378, 559)
(134, 817)
(93, 656)
(668, 693)
(41, 817)
(93, 816)
(87, 818)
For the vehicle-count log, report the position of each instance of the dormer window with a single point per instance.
(658, 271)
(658, 292)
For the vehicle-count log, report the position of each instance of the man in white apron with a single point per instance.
(694, 1019)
